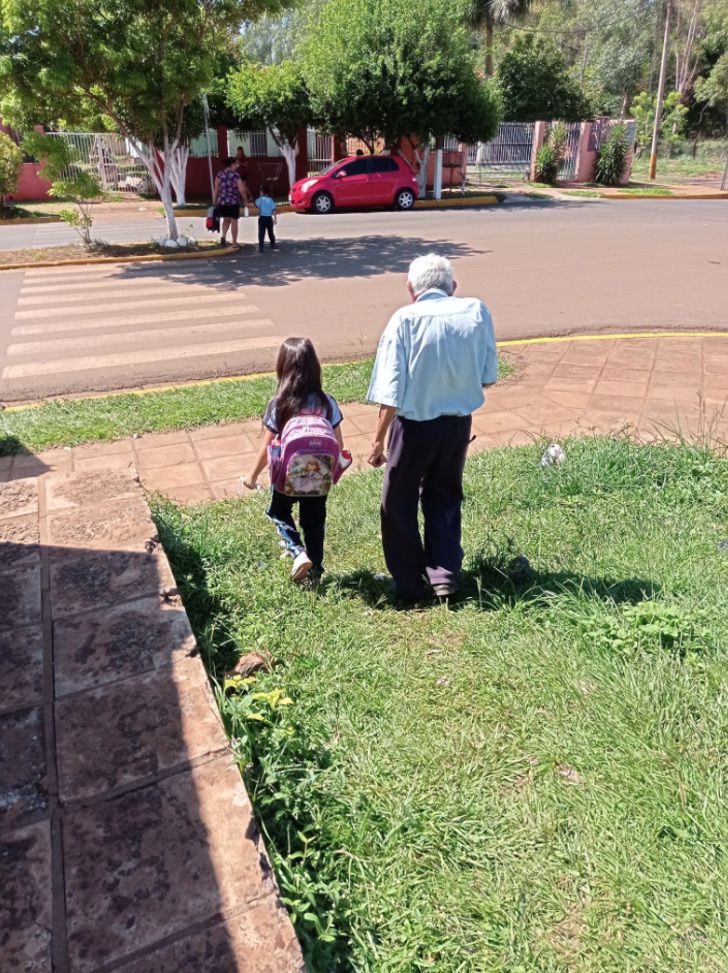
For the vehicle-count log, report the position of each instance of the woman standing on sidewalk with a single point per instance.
(229, 191)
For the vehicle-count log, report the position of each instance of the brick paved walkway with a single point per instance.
(127, 840)
(655, 387)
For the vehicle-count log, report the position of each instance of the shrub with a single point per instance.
(11, 158)
(612, 156)
(551, 154)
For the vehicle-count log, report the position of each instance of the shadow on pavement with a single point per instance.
(296, 260)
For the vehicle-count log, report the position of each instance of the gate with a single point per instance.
(320, 150)
(509, 153)
(108, 156)
(568, 166)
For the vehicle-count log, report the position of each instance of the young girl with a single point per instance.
(299, 392)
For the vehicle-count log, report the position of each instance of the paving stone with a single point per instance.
(620, 373)
(152, 722)
(569, 385)
(19, 539)
(229, 445)
(157, 440)
(115, 448)
(23, 784)
(21, 667)
(160, 456)
(150, 863)
(97, 648)
(611, 387)
(171, 477)
(249, 428)
(119, 462)
(123, 525)
(89, 487)
(38, 464)
(260, 940)
(21, 597)
(81, 580)
(225, 467)
(18, 497)
(25, 902)
(580, 370)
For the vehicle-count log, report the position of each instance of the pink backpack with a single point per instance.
(307, 459)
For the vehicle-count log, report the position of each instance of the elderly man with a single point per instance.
(434, 359)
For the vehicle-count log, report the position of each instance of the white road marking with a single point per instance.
(122, 359)
(220, 305)
(163, 335)
(144, 290)
(96, 285)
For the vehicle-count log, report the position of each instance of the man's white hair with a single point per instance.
(429, 271)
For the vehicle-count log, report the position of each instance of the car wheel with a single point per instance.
(405, 199)
(322, 203)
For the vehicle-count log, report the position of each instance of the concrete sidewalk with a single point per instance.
(127, 840)
(654, 387)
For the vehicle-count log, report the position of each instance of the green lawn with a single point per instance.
(70, 422)
(533, 779)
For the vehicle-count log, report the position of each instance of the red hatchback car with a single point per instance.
(359, 180)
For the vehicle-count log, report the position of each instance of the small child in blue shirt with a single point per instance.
(267, 218)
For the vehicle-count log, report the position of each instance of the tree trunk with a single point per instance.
(488, 49)
(160, 173)
(178, 172)
(289, 151)
(422, 154)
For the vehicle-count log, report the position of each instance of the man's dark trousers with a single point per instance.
(425, 463)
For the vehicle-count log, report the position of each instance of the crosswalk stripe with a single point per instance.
(133, 337)
(144, 290)
(143, 357)
(54, 313)
(53, 327)
(89, 271)
(96, 285)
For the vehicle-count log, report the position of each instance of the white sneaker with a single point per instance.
(302, 564)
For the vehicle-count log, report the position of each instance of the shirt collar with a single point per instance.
(430, 295)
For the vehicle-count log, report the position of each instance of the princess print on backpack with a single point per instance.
(304, 449)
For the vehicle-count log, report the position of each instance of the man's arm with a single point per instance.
(490, 369)
(377, 456)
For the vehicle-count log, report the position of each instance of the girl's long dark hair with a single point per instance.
(299, 378)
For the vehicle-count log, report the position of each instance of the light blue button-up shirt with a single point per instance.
(434, 358)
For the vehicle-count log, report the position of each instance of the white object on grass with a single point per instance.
(553, 455)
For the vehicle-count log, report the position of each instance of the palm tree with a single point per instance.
(483, 15)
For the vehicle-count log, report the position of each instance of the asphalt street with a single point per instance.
(544, 268)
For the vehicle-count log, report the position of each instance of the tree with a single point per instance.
(273, 97)
(393, 68)
(68, 178)
(140, 63)
(11, 158)
(672, 125)
(535, 84)
(484, 15)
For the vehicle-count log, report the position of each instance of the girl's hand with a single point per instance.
(250, 482)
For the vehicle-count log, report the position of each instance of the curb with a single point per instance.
(25, 220)
(671, 195)
(138, 259)
(488, 199)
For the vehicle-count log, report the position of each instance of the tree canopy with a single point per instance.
(138, 63)
(534, 82)
(390, 68)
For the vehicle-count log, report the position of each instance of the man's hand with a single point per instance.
(377, 457)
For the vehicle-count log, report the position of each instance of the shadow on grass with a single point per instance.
(492, 584)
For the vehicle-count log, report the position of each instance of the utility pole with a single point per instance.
(660, 93)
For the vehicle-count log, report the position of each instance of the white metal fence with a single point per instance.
(110, 157)
(509, 153)
(256, 145)
(320, 149)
